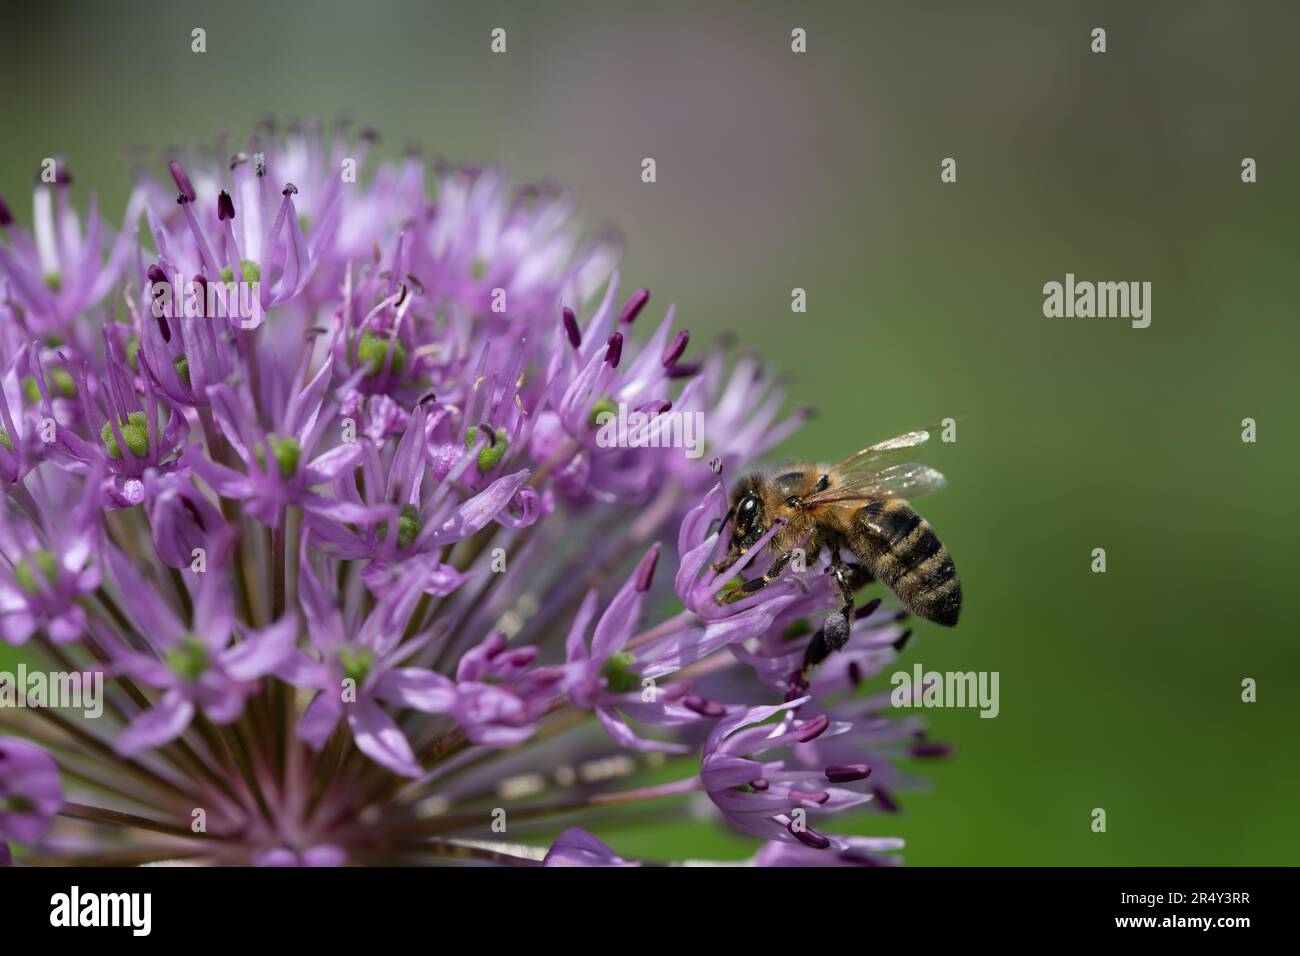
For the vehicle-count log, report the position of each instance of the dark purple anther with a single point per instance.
(61, 175)
(885, 800)
(676, 348)
(855, 674)
(289, 190)
(182, 182)
(809, 838)
(812, 729)
(867, 609)
(645, 572)
(522, 657)
(803, 796)
(571, 327)
(684, 371)
(703, 707)
(632, 308)
(903, 639)
(848, 773)
(6, 218)
(614, 350)
(760, 784)
(931, 751)
(225, 206)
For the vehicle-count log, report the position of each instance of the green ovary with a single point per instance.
(408, 527)
(287, 452)
(41, 561)
(190, 659)
(135, 432)
(17, 803)
(59, 381)
(619, 678)
(606, 404)
(356, 662)
(491, 454)
(252, 272)
(373, 351)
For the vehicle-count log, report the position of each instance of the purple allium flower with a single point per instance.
(364, 581)
(200, 669)
(49, 567)
(762, 796)
(29, 793)
(66, 267)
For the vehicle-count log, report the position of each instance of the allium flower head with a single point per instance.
(362, 580)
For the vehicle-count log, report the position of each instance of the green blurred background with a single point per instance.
(821, 171)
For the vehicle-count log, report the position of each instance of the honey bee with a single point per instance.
(857, 506)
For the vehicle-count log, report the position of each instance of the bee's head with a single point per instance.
(747, 516)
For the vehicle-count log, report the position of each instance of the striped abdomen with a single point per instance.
(902, 550)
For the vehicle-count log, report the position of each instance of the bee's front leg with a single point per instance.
(772, 574)
(733, 555)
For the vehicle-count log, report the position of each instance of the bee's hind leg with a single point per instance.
(835, 632)
(858, 575)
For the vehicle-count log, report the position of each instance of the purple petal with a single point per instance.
(380, 739)
(577, 847)
(575, 645)
(473, 515)
(158, 725)
(418, 689)
(345, 510)
(334, 462)
(321, 717)
(618, 728)
(262, 652)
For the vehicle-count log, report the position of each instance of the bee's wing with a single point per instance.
(856, 483)
(877, 456)
(881, 450)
